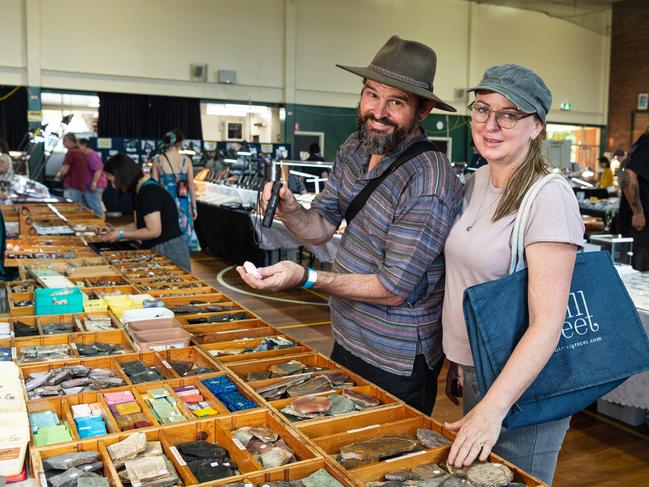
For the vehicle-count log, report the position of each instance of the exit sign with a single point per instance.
(566, 105)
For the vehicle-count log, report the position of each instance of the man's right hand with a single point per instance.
(638, 221)
(287, 202)
(454, 382)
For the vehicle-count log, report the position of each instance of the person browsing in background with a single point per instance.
(156, 216)
(73, 171)
(634, 203)
(95, 179)
(387, 279)
(174, 171)
(606, 178)
(508, 126)
(314, 156)
(6, 164)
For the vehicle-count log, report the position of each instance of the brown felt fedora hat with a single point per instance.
(407, 65)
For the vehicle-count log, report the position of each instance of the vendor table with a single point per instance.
(634, 391)
(236, 234)
(227, 232)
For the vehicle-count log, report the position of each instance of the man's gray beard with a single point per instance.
(383, 144)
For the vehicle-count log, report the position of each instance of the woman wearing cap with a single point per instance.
(508, 120)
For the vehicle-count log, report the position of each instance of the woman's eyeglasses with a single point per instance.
(504, 118)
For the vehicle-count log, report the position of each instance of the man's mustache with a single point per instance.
(384, 120)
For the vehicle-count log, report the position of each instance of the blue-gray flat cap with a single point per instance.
(520, 85)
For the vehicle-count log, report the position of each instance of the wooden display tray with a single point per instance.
(14, 298)
(369, 389)
(191, 292)
(115, 337)
(190, 354)
(309, 358)
(93, 282)
(98, 362)
(102, 292)
(129, 273)
(78, 318)
(248, 321)
(61, 404)
(243, 331)
(292, 472)
(159, 285)
(376, 472)
(363, 420)
(216, 298)
(213, 430)
(162, 278)
(330, 445)
(297, 348)
(12, 258)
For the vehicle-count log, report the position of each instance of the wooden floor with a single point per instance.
(597, 451)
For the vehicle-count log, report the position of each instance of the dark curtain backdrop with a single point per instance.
(145, 116)
(13, 115)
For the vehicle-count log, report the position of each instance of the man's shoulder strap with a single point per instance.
(361, 198)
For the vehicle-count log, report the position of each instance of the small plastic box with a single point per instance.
(161, 324)
(93, 305)
(58, 301)
(161, 339)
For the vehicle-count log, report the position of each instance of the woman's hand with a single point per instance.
(104, 230)
(194, 213)
(283, 275)
(454, 382)
(477, 433)
(112, 236)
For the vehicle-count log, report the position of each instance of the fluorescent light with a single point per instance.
(243, 153)
(587, 174)
(187, 152)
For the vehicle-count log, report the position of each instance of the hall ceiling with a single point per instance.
(590, 14)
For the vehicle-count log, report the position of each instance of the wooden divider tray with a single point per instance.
(220, 329)
(196, 291)
(102, 292)
(189, 354)
(217, 431)
(375, 473)
(72, 340)
(368, 390)
(331, 443)
(252, 343)
(242, 330)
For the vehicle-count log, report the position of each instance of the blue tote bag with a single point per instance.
(602, 341)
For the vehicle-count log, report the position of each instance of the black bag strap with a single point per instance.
(361, 198)
(171, 168)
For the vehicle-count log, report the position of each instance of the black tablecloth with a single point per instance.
(227, 233)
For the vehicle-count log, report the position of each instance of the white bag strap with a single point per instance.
(520, 224)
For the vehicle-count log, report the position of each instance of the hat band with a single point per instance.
(400, 77)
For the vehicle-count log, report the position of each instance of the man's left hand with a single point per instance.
(283, 275)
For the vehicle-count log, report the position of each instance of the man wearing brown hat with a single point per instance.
(399, 198)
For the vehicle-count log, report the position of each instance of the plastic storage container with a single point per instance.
(161, 339)
(133, 315)
(155, 324)
(58, 301)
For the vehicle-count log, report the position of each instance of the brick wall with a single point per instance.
(629, 73)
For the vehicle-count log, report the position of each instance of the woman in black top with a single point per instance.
(156, 216)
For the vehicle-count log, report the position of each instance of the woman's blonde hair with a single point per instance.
(525, 176)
